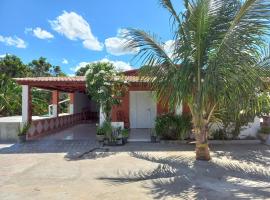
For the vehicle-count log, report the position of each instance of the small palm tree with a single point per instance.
(216, 59)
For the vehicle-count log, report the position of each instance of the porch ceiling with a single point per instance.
(64, 84)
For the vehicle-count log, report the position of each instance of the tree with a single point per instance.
(82, 71)
(40, 67)
(56, 71)
(10, 96)
(216, 59)
(10, 93)
(105, 86)
(12, 66)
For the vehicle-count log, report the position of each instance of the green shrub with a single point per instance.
(219, 134)
(105, 129)
(264, 130)
(100, 130)
(125, 132)
(173, 127)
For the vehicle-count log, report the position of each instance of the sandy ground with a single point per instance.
(136, 171)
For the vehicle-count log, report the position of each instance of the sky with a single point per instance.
(72, 33)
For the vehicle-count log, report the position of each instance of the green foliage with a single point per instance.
(42, 67)
(10, 93)
(173, 127)
(105, 86)
(12, 66)
(82, 71)
(125, 133)
(23, 130)
(219, 134)
(101, 130)
(217, 59)
(264, 130)
(10, 96)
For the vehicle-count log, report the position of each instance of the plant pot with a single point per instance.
(263, 137)
(124, 139)
(117, 142)
(153, 139)
(120, 141)
(22, 138)
(100, 138)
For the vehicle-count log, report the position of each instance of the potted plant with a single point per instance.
(264, 133)
(22, 132)
(100, 134)
(125, 134)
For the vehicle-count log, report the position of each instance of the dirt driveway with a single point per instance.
(135, 171)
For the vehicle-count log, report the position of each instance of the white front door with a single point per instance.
(143, 109)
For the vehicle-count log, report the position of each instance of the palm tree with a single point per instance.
(216, 61)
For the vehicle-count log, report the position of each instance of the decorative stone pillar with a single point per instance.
(55, 100)
(26, 104)
(71, 103)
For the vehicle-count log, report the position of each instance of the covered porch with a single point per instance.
(81, 109)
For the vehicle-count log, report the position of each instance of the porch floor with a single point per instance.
(139, 135)
(87, 131)
(77, 132)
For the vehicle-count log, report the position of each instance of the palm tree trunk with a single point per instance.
(202, 148)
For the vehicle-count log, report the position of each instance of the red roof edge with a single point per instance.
(132, 72)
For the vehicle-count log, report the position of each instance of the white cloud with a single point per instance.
(13, 41)
(64, 61)
(42, 34)
(75, 27)
(119, 65)
(116, 45)
(80, 65)
(169, 47)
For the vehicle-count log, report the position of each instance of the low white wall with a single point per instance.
(251, 129)
(81, 101)
(9, 131)
(246, 131)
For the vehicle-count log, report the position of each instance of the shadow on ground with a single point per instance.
(235, 172)
(183, 177)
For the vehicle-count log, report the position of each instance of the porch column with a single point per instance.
(71, 103)
(26, 104)
(55, 100)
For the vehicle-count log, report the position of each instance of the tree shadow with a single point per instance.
(185, 178)
(92, 154)
(258, 154)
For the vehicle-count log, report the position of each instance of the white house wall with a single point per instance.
(251, 129)
(81, 102)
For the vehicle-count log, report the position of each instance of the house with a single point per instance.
(137, 110)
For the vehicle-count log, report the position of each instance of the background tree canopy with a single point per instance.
(11, 66)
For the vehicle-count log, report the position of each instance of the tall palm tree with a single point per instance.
(216, 60)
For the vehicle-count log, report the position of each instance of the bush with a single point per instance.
(173, 127)
(125, 133)
(219, 134)
(264, 130)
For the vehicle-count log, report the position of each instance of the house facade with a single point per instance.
(138, 108)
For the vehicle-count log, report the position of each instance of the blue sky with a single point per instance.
(71, 33)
